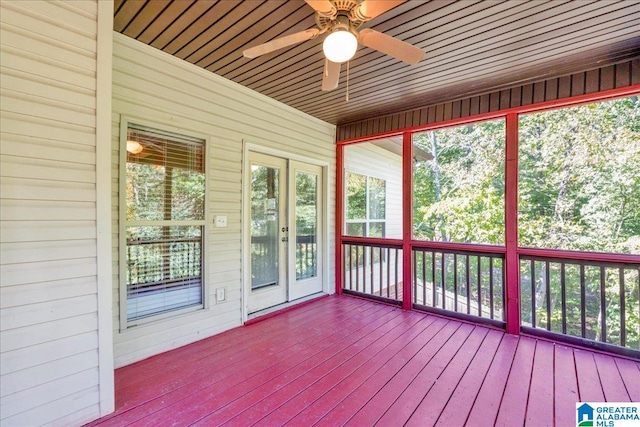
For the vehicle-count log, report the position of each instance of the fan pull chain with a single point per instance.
(326, 67)
(347, 98)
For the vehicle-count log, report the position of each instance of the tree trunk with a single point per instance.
(436, 181)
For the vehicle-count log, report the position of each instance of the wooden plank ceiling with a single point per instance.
(471, 47)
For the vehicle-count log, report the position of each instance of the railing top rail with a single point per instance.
(564, 255)
(481, 254)
(459, 247)
(371, 241)
(131, 242)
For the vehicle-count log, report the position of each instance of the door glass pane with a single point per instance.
(306, 225)
(264, 226)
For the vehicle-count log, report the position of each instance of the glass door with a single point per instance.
(269, 232)
(286, 214)
(307, 219)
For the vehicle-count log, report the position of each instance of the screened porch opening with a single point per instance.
(525, 220)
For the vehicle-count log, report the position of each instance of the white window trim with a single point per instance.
(125, 325)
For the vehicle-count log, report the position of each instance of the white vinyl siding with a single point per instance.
(159, 90)
(49, 329)
(373, 161)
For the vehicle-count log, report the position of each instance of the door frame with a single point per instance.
(248, 146)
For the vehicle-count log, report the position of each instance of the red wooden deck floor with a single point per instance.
(345, 361)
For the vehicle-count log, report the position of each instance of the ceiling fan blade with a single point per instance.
(391, 46)
(369, 9)
(280, 43)
(331, 75)
(323, 7)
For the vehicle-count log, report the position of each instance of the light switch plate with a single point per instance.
(221, 294)
(221, 220)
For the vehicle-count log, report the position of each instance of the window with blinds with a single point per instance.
(164, 222)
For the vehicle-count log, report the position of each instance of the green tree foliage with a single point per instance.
(306, 193)
(356, 188)
(306, 204)
(579, 183)
(459, 194)
(578, 189)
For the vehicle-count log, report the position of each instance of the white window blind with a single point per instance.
(165, 194)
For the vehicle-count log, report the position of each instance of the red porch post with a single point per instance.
(407, 218)
(338, 221)
(512, 266)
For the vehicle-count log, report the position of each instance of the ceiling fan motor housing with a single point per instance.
(346, 11)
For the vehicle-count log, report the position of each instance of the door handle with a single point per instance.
(285, 239)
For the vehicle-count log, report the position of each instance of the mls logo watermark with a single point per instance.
(607, 414)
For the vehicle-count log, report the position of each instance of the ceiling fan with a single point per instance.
(341, 20)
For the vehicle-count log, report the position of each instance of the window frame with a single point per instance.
(125, 324)
(367, 220)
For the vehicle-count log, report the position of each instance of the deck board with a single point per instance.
(613, 388)
(407, 403)
(630, 373)
(326, 375)
(187, 359)
(565, 386)
(589, 384)
(344, 386)
(437, 396)
(343, 360)
(487, 403)
(461, 400)
(375, 334)
(513, 407)
(243, 378)
(541, 389)
(354, 401)
(386, 395)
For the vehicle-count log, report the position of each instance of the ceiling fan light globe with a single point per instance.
(340, 46)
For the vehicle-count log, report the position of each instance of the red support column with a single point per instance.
(407, 218)
(512, 267)
(339, 215)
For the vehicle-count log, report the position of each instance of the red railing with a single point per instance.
(460, 283)
(373, 270)
(579, 298)
(582, 298)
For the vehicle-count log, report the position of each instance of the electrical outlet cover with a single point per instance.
(221, 221)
